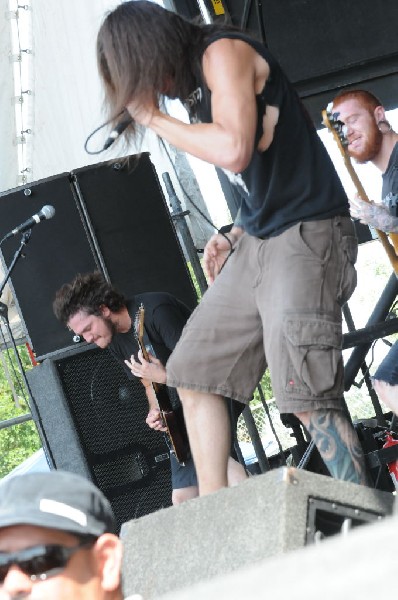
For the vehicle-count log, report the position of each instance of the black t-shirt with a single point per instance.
(294, 179)
(389, 192)
(165, 317)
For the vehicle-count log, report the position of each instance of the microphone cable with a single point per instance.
(93, 152)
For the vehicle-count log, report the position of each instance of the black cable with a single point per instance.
(261, 21)
(96, 131)
(188, 197)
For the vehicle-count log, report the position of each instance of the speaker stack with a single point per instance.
(110, 217)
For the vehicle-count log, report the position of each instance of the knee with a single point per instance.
(188, 397)
(192, 398)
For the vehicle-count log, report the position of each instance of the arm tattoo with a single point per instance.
(379, 218)
(338, 445)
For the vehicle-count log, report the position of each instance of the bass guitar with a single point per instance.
(177, 438)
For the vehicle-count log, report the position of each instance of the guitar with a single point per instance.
(337, 129)
(177, 438)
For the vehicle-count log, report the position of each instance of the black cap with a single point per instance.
(56, 500)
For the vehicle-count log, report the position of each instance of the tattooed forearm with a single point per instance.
(338, 445)
(382, 220)
(373, 214)
(377, 216)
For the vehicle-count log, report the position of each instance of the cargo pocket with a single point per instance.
(348, 282)
(314, 356)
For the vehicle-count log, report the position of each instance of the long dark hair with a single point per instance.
(147, 52)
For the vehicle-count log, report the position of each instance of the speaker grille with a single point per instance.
(128, 461)
(103, 400)
(144, 500)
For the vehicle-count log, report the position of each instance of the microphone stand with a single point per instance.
(25, 239)
(4, 307)
(34, 410)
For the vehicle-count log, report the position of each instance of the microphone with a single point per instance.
(47, 212)
(117, 131)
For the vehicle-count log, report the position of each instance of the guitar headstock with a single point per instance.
(139, 323)
(338, 129)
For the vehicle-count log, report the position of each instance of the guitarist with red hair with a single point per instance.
(371, 139)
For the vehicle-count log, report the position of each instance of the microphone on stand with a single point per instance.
(47, 212)
(117, 131)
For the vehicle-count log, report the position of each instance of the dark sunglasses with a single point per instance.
(40, 562)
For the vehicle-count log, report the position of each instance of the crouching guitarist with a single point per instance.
(93, 309)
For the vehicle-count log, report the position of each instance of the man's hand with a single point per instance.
(151, 371)
(154, 420)
(143, 114)
(373, 214)
(362, 210)
(217, 251)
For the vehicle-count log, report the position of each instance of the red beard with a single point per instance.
(372, 144)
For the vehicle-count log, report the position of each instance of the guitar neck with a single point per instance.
(355, 179)
(160, 389)
(173, 421)
(390, 248)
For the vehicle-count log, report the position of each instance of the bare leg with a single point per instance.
(207, 422)
(387, 394)
(236, 472)
(180, 495)
(337, 443)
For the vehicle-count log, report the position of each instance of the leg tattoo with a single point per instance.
(338, 445)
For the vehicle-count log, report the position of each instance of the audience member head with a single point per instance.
(57, 539)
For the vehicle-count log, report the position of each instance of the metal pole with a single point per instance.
(365, 372)
(178, 217)
(256, 440)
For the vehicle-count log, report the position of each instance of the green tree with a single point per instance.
(17, 442)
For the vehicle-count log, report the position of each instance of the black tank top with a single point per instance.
(294, 179)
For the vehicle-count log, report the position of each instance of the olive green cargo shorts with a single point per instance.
(277, 302)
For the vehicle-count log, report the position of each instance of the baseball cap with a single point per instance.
(56, 500)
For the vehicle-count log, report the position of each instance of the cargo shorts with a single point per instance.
(277, 302)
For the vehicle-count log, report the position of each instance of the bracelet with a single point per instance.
(231, 237)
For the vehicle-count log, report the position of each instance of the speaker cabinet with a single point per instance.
(91, 418)
(57, 250)
(131, 226)
(110, 217)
